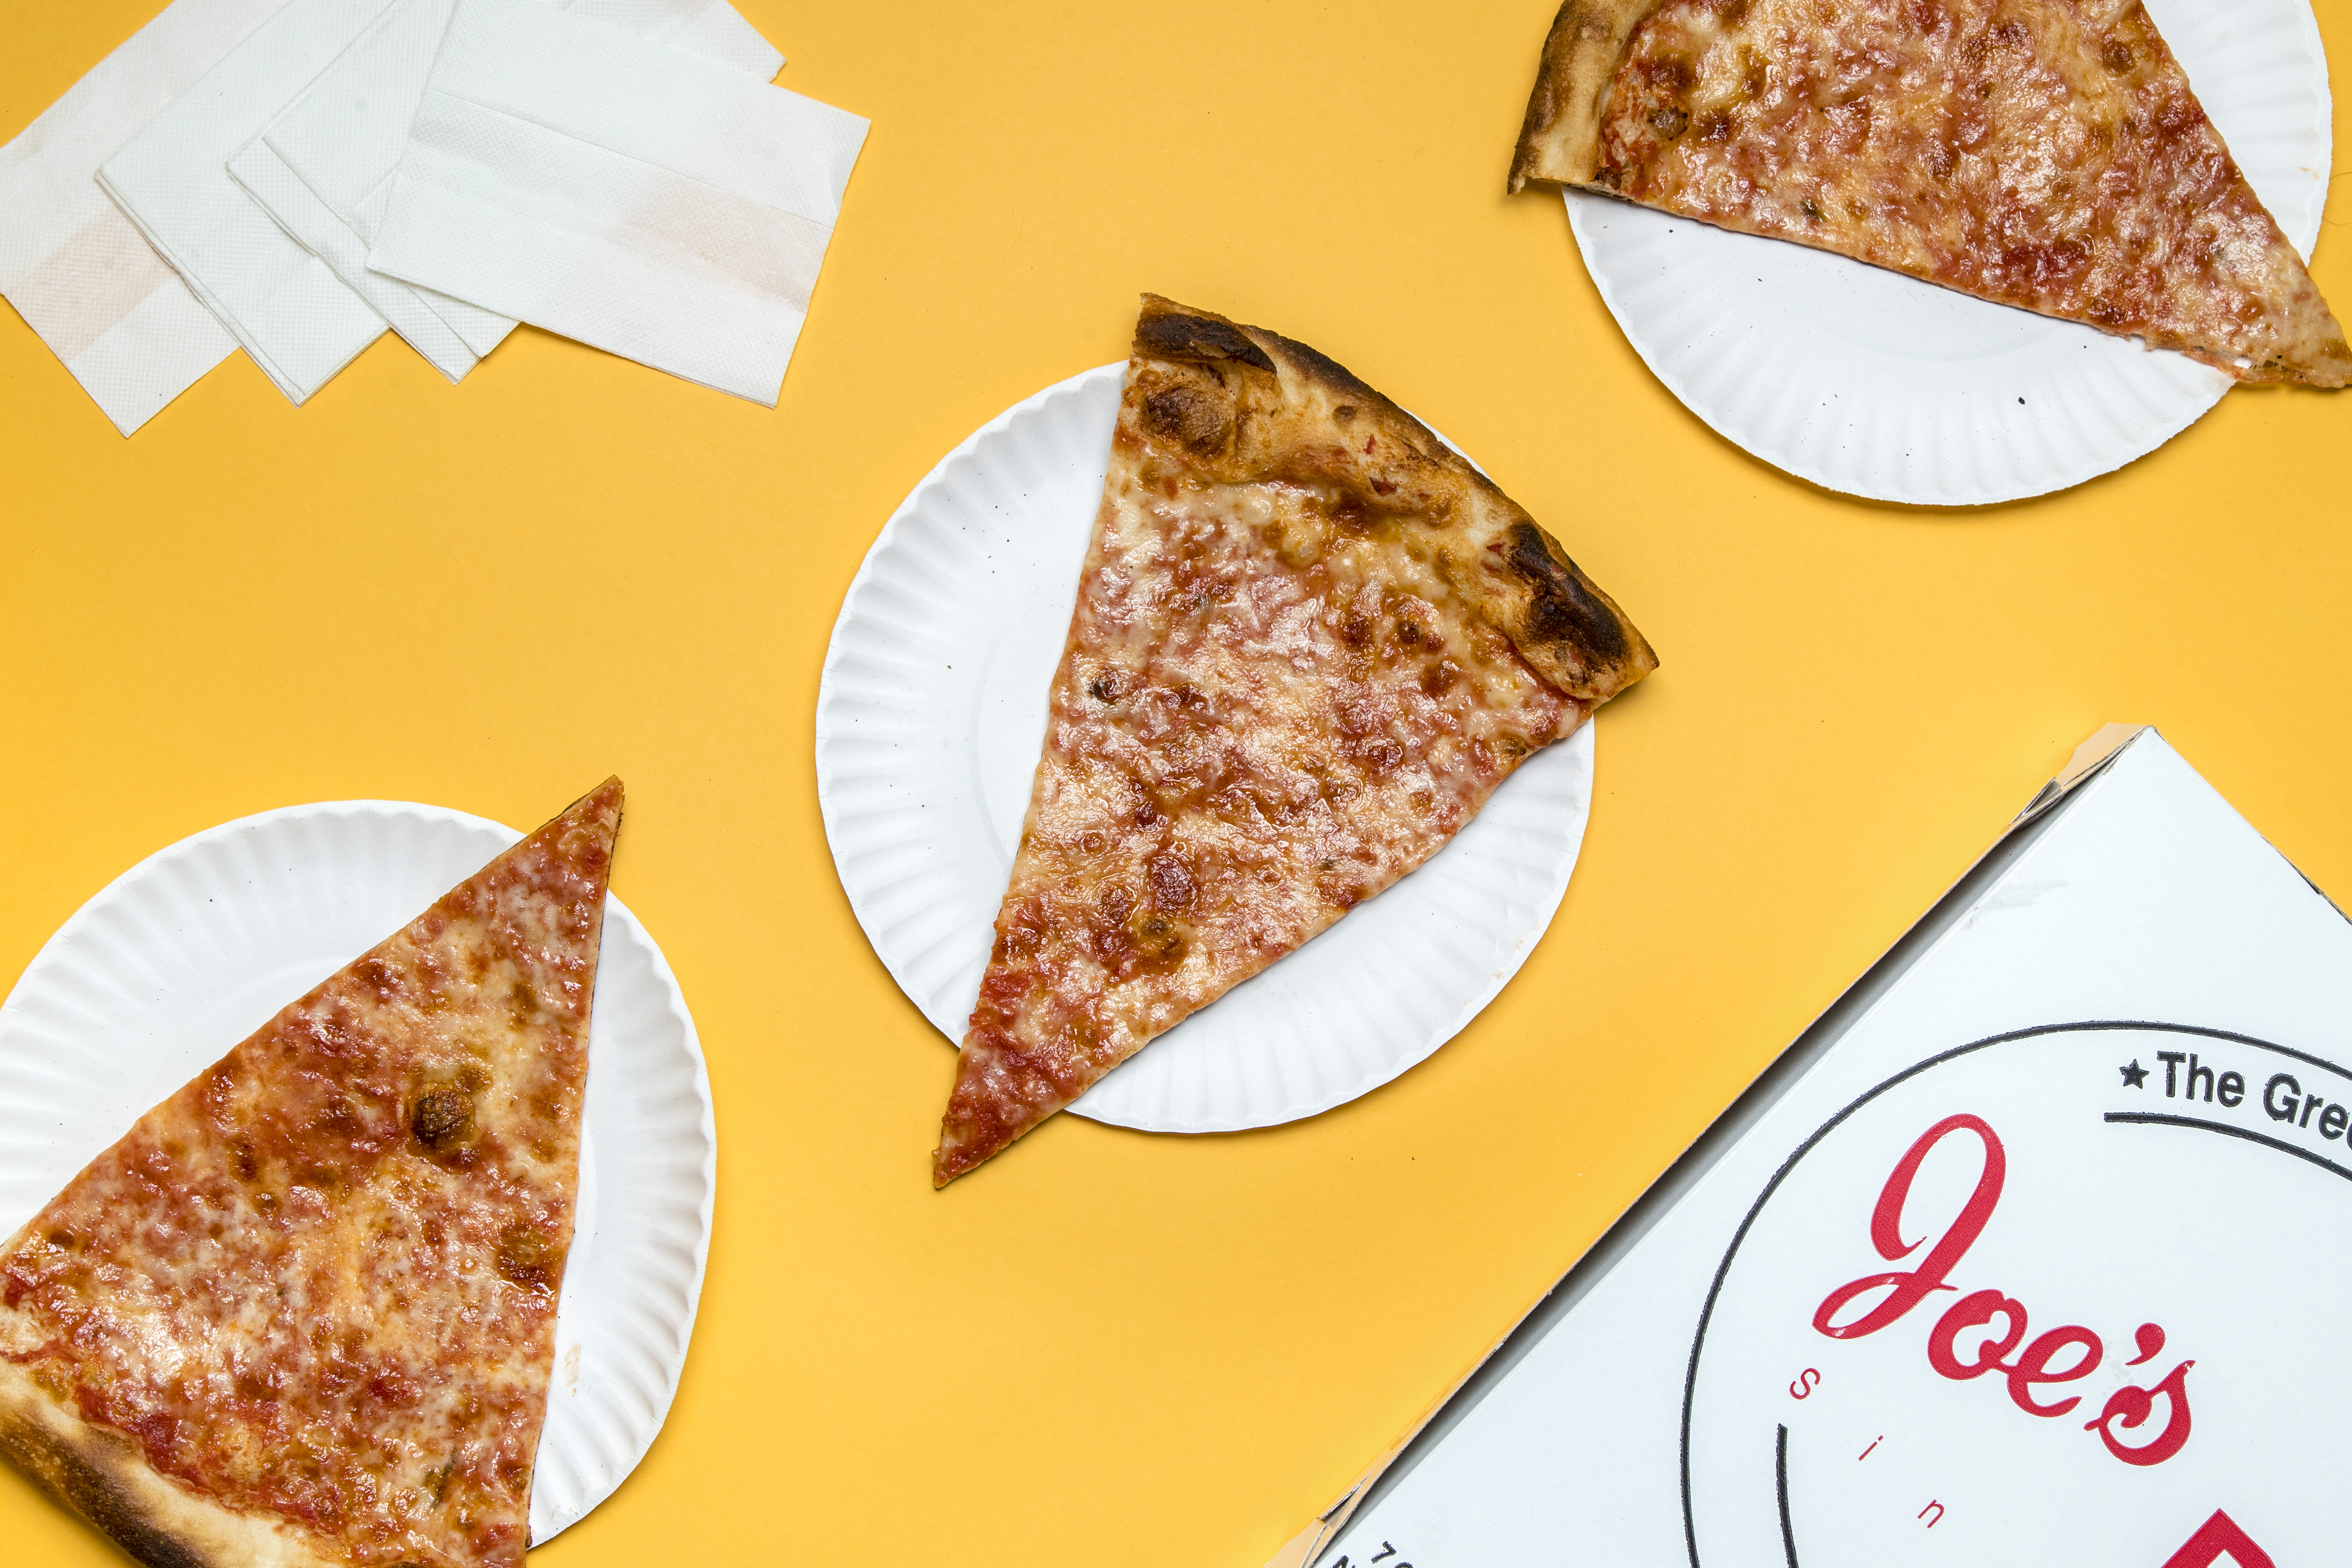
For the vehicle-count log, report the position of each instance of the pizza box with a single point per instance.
(2028, 1250)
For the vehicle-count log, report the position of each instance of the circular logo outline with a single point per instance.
(1723, 1269)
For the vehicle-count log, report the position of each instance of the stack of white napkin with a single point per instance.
(309, 172)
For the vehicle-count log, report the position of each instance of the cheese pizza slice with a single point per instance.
(303, 1312)
(2047, 154)
(1310, 642)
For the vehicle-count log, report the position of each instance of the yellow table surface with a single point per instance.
(1110, 1347)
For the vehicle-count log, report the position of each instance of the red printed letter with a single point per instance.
(1976, 1311)
(2034, 1368)
(2132, 1407)
(1909, 1288)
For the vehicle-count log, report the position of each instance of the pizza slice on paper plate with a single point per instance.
(1310, 642)
(303, 1312)
(2047, 154)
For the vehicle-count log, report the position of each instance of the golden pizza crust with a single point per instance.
(1561, 138)
(1246, 404)
(102, 1477)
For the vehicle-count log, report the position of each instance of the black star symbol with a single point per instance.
(2134, 1074)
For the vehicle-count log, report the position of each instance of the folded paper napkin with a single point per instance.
(323, 166)
(299, 321)
(562, 173)
(73, 265)
(293, 315)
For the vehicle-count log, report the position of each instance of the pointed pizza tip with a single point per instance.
(1002, 1093)
(581, 834)
(965, 1142)
(600, 805)
(950, 1160)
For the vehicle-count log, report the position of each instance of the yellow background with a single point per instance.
(1110, 1347)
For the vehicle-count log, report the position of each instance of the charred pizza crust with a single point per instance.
(102, 1476)
(1245, 404)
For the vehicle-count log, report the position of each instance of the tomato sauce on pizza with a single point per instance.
(2047, 154)
(1290, 678)
(314, 1291)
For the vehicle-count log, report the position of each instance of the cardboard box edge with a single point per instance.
(2089, 759)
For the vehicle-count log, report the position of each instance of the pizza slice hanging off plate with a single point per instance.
(2046, 154)
(1310, 642)
(303, 1312)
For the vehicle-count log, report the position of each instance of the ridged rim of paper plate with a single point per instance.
(1882, 386)
(163, 970)
(902, 749)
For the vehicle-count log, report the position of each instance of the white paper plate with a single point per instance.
(195, 948)
(930, 723)
(1867, 382)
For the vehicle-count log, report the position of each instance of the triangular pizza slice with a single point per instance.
(2047, 154)
(1309, 641)
(303, 1312)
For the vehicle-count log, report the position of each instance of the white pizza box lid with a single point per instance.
(2030, 1250)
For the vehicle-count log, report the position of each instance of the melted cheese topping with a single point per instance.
(1272, 706)
(320, 1282)
(2044, 154)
